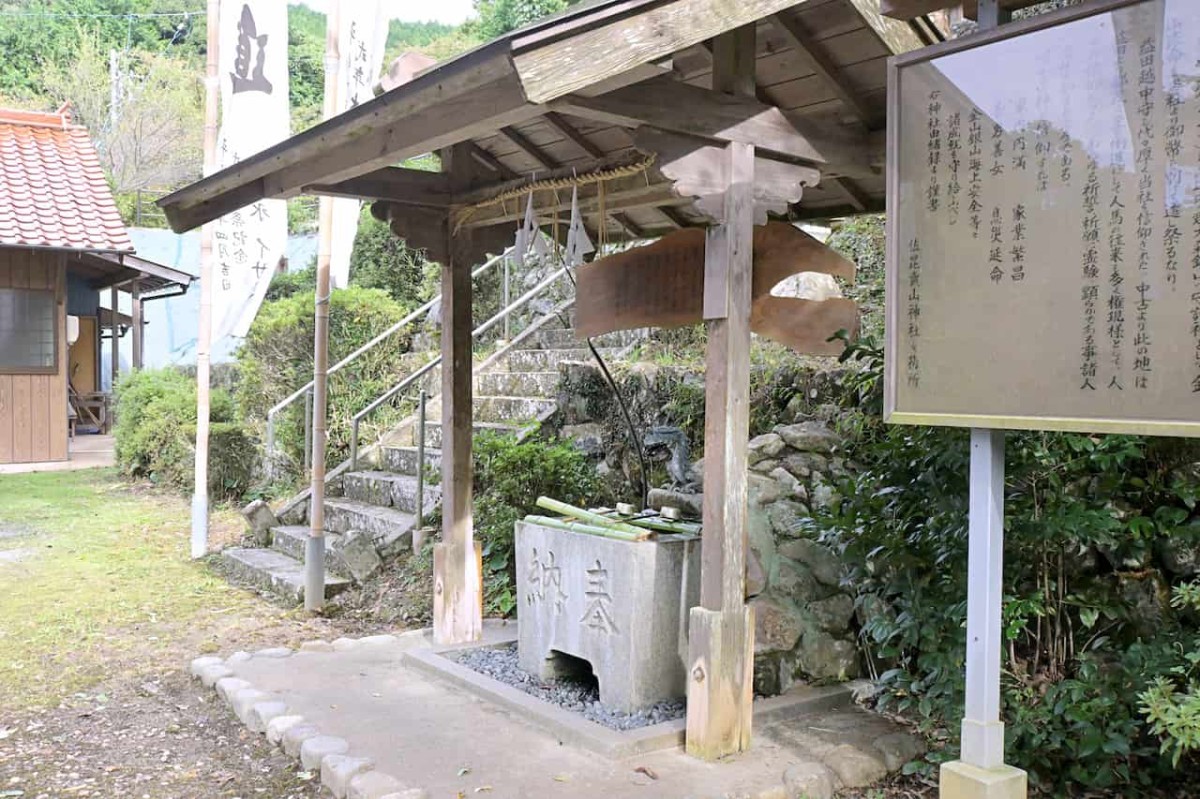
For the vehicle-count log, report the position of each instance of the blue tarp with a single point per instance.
(171, 324)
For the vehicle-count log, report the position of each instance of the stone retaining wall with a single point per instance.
(806, 625)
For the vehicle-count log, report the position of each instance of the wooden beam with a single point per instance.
(633, 228)
(490, 161)
(558, 67)
(670, 105)
(464, 99)
(911, 9)
(620, 195)
(567, 129)
(857, 197)
(734, 62)
(677, 219)
(530, 149)
(394, 184)
(896, 35)
(135, 292)
(115, 365)
(813, 55)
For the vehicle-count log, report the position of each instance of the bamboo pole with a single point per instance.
(204, 333)
(591, 518)
(585, 529)
(314, 550)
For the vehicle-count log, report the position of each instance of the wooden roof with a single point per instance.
(585, 91)
(108, 270)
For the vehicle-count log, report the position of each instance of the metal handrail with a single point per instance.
(500, 316)
(306, 389)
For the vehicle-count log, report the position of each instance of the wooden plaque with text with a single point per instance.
(1044, 224)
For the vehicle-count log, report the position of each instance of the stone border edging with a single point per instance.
(344, 775)
(348, 776)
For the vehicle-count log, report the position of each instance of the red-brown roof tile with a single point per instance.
(52, 189)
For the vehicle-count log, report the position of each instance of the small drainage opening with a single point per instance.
(577, 670)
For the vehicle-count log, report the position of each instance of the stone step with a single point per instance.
(389, 489)
(517, 384)
(290, 539)
(568, 338)
(503, 410)
(403, 460)
(433, 433)
(545, 360)
(390, 529)
(515, 410)
(273, 571)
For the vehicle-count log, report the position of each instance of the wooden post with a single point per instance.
(314, 549)
(135, 292)
(721, 632)
(115, 366)
(457, 595)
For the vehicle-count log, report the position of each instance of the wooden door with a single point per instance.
(83, 367)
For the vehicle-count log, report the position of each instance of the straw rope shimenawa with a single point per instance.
(464, 214)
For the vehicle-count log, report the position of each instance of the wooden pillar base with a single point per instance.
(457, 594)
(720, 695)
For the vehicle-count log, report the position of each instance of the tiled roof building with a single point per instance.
(53, 193)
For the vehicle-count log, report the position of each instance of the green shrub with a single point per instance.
(509, 477)
(287, 284)
(156, 434)
(381, 260)
(1083, 634)
(1172, 702)
(277, 358)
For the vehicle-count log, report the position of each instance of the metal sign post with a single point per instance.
(981, 773)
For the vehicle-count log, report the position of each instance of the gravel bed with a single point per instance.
(578, 696)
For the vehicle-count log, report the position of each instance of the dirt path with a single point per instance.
(95, 699)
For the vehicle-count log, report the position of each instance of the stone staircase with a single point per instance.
(514, 396)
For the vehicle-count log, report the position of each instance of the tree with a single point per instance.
(39, 32)
(153, 136)
(498, 17)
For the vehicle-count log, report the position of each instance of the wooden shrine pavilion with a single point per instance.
(663, 115)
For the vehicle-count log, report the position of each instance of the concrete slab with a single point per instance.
(574, 729)
(430, 734)
(84, 452)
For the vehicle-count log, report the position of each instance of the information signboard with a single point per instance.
(1044, 225)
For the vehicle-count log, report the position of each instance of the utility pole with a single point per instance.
(204, 335)
(314, 550)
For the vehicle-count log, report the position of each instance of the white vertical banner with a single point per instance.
(361, 40)
(248, 243)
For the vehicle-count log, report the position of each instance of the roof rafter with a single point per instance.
(530, 149)
(815, 58)
(633, 228)
(490, 161)
(723, 117)
(567, 129)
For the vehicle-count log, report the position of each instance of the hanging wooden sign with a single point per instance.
(662, 285)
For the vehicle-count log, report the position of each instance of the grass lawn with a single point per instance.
(95, 578)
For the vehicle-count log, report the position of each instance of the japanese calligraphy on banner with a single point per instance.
(362, 37)
(248, 243)
(1044, 230)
